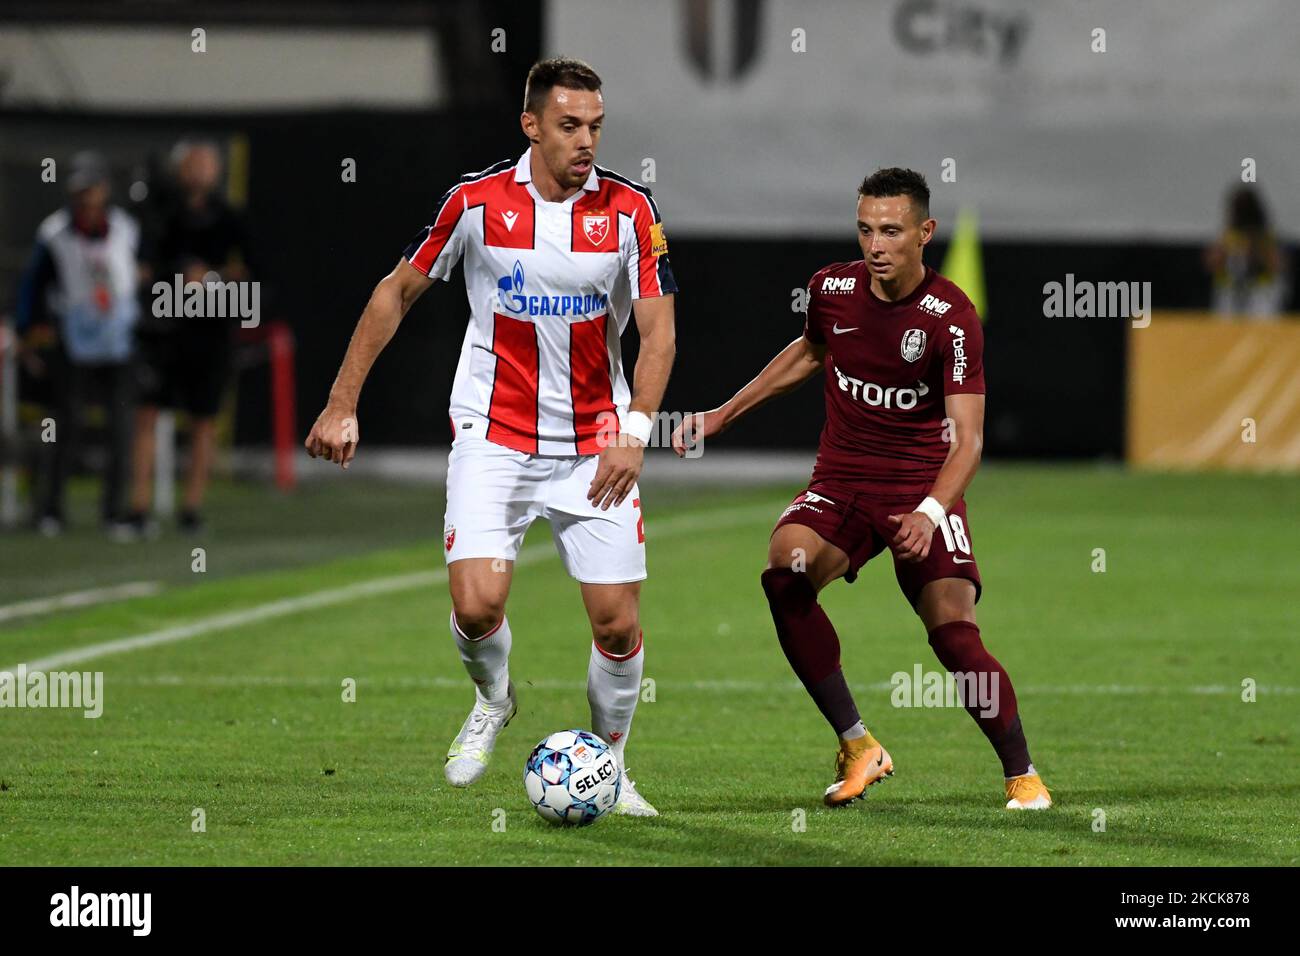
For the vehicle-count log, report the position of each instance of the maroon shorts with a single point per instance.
(859, 526)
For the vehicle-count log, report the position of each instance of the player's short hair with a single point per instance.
(562, 71)
(893, 181)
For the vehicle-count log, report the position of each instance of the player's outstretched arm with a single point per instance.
(793, 365)
(336, 433)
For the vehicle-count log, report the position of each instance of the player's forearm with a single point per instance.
(378, 323)
(958, 468)
(793, 365)
(654, 364)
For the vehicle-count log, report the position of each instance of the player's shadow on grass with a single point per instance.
(681, 840)
(1143, 792)
(1072, 819)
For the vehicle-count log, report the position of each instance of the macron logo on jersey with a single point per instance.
(933, 306)
(509, 219)
(839, 286)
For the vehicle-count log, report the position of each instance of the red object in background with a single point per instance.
(284, 415)
(278, 339)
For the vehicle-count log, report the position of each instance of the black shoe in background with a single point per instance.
(191, 522)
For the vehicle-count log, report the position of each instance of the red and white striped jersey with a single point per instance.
(550, 288)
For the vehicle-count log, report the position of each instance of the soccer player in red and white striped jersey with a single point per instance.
(558, 254)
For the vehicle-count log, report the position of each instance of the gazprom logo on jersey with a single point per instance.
(873, 394)
(510, 294)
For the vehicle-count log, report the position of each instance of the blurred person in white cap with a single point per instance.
(81, 283)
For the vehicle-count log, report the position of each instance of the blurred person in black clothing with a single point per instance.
(1247, 261)
(77, 311)
(188, 361)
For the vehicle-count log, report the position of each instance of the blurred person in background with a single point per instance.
(1247, 262)
(188, 361)
(79, 296)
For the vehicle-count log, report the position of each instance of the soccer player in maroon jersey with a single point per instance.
(902, 352)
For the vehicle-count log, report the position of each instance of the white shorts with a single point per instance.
(494, 494)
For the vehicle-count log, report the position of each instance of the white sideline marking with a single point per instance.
(74, 599)
(669, 527)
(706, 686)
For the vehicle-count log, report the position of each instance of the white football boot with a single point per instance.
(630, 803)
(470, 752)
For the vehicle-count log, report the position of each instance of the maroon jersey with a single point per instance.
(888, 367)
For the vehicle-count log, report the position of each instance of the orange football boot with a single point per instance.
(1027, 792)
(859, 764)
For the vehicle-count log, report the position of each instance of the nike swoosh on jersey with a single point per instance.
(839, 331)
(963, 560)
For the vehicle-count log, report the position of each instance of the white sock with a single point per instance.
(486, 660)
(613, 688)
(853, 733)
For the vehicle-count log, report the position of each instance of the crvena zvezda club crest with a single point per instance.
(596, 228)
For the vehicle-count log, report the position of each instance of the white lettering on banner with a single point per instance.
(949, 66)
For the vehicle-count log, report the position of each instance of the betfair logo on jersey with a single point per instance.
(512, 298)
(958, 353)
(839, 285)
(933, 306)
(879, 397)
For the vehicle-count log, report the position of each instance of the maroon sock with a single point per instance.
(810, 644)
(958, 646)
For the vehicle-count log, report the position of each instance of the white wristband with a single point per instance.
(932, 510)
(639, 426)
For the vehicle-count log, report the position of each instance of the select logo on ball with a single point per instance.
(572, 778)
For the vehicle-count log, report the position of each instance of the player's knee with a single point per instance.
(946, 601)
(789, 553)
(959, 642)
(616, 633)
(948, 611)
(787, 589)
(475, 615)
(479, 602)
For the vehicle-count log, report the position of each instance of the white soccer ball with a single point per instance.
(572, 778)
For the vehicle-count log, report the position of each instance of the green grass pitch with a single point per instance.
(1130, 687)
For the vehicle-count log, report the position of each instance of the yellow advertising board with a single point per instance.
(1205, 392)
